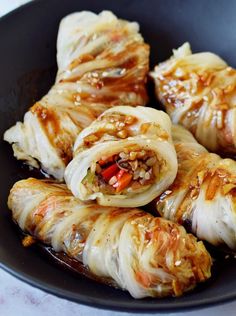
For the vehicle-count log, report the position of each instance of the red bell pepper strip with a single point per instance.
(109, 172)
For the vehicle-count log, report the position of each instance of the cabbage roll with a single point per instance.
(102, 62)
(124, 158)
(199, 92)
(144, 255)
(203, 195)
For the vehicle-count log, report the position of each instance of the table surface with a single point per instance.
(18, 298)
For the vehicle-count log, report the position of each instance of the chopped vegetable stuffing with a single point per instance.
(114, 174)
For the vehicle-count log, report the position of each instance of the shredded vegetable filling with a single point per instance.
(125, 172)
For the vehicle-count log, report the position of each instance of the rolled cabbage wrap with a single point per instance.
(199, 92)
(203, 195)
(125, 158)
(102, 62)
(137, 252)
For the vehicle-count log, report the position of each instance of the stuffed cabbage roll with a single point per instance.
(124, 158)
(102, 62)
(144, 255)
(203, 195)
(199, 92)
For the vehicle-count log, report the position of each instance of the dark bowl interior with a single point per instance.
(28, 65)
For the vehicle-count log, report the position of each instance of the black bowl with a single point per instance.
(27, 59)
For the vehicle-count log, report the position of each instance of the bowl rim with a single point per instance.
(107, 305)
(103, 303)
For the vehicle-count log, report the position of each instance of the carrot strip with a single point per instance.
(123, 182)
(143, 278)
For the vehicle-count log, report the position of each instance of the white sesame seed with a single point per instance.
(177, 263)
(142, 173)
(151, 161)
(123, 155)
(123, 71)
(113, 180)
(133, 155)
(93, 167)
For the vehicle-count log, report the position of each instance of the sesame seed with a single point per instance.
(151, 161)
(177, 263)
(122, 134)
(113, 180)
(123, 155)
